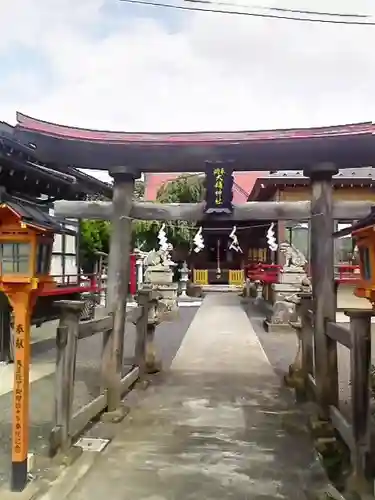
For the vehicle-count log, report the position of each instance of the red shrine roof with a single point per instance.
(75, 133)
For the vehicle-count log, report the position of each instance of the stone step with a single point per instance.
(221, 288)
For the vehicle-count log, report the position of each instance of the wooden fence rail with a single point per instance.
(354, 431)
(66, 425)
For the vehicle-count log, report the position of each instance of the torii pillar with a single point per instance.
(118, 279)
(323, 286)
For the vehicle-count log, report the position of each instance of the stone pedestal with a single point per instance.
(283, 310)
(103, 290)
(290, 281)
(168, 305)
(153, 365)
(160, 277)
(292, 275)
(250, 289)
(139, 265)
(258, 291)
(159, 274)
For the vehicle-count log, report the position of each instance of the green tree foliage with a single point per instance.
(145, 234)
(94, 236)
(139, 189)
(183, 189)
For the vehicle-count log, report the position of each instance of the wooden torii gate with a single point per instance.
(321, 211)
(320, 152)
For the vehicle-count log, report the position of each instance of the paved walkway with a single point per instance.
(87, 381)
(216, 426)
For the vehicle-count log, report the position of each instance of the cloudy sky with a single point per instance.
(111, 65)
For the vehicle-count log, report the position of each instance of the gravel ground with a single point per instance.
(87, 385)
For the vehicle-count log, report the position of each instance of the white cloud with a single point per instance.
(212, 72)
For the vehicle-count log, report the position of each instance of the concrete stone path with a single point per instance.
(87, 381)
(216, 426)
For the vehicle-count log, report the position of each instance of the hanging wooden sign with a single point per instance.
(219, 188)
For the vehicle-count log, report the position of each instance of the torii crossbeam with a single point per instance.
(191, 212)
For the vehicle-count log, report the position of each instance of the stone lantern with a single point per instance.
(159, 275)
(26, 239)
(184, 280)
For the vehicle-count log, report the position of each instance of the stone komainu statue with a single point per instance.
(294, 257)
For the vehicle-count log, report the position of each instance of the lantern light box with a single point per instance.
(363, 233)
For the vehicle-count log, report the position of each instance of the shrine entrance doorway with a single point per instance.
(217, 263)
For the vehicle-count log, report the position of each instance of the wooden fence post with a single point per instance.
(360, 364)
(146, 347)
(66, 353)
(307, 339)
(322, 272)
(152, 365)
(143, 299)
(302, 364)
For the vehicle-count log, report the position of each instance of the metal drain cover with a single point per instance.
(92, 444)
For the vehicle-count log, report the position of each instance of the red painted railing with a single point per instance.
(91, 283)
(269, 273)
(345, 273)
(266, 273)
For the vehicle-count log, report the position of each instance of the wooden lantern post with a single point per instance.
(25, 257)
(22, 298)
